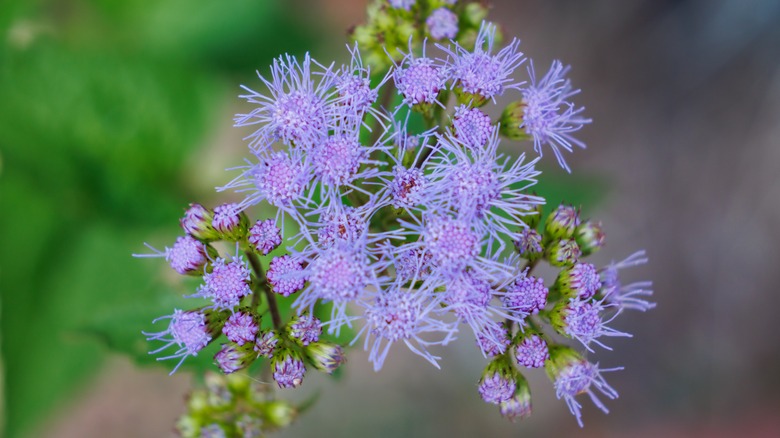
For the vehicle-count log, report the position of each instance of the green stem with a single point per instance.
(262, 283)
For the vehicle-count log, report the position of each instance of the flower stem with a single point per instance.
(263, 284)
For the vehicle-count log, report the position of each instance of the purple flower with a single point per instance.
(265, 236)
(326, 357)
(407, 186)
(479, 74)
(494, 341)
(288, 369)
(339, 274)
(581, 281)
(419, 80)
(345, 224)
(529, 243)
(402, 4)
(472, 127)
(241, 328)
(229, 221)
(627, 296)
(403, 315)
(519, 406)
(191, 331)
(353, 85)
(564, 252)
(581, 320)
(298, 110)
(451, 242)
(285, 274)
(337, 159)
(575, 377)
(526, 295)
(549, 117)
(442, 23)
(188, 255)
(562, 222)
(305, 329)
(496, 387)
(532, 351)
(227, 283)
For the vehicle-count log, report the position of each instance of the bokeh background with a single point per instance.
(115, 115)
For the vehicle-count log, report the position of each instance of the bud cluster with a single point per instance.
(407, 235)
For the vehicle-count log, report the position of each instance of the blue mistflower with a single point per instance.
(299, 108)
(419, 80)
(582, 377)
(227, 283)
(472, 126)
(628, 296)
(481, 74)
(582, 321)
(442, 23)
(241, 328)
(549, 116)
(189, 330)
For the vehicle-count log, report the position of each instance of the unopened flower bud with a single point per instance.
(188, 426)
(511, 119)
(288, 369)
(519, 406)
(561, 223)
(280, 413)
(265, 236)
(233, 357)
(198, 402)
(325, 356)
(498, 381)
(241, 327)
(230, 222)
(529, 244)
(266, 343)
(563, 253)
(579, 281)
(590, 237)
(531, 350)
(305, 329)
(197, 223)
(474, 14)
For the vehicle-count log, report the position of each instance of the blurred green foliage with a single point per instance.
(101, 103)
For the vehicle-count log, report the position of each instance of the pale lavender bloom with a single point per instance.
(265, 236)
(306, 329)
(472, 126)
(527, 295)
(341, 224)
(532, 352)
(486, 341)
(227, 283)
(353, 84)
(496, 388)
(484, 186)
(582, 321)
(286, 276)
(187, 256)
(288, 369)
(419, 80)
(583, 280)
(336, 160)
(453, 243)
(407, 186)
(241, 328)
(550, 117)
(298, 111)
(188, 330)
(413, 263)
(627, 296)
(578, 377)
(266, 343)
(227, 218)
(278, 178)
(479, 72)
(442, 23)
(406, 315)
(402, 4)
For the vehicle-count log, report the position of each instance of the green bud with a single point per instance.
(561, 357)
(529, 244)
(365, 36)
(474, 14)
(564, 252)
(561, 223)
(238, 384)
(279, 413)
(519, 406)
(325, 356)
(590, 237)
(511, 120)
(198, 402)
(188, 426)
(472, 100)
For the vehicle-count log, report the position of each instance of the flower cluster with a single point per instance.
(404, 236)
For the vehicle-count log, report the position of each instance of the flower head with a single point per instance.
(498, 383)
(241, 327)
(227, 283)
(626, 296)
(191, 331)
(229, 221)
(549, 116)
(526, 295)
(419, 80)
(197, 223)
(479, 75)
(266, 343)
(532, 351)
(288, 369)
(580, 281)
(285, 274)
(582, 320)
(265, 236)
(233, 357)
(305, 329)
(472, 127)
(442, 23)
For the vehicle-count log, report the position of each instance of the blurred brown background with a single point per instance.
(685, 98)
